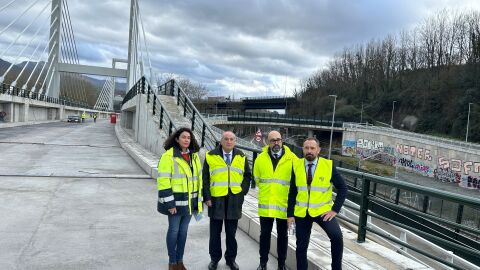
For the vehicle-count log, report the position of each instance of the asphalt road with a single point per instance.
(71, 198)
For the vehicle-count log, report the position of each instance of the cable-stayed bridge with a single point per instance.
(75, 197)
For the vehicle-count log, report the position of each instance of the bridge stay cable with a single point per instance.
(34, 37)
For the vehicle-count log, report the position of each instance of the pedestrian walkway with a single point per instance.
(71, 198)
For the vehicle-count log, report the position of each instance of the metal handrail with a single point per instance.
(20, 92)
(368, 199)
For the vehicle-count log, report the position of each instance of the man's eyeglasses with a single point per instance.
(279, 140)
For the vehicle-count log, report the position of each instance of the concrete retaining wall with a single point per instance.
(439, 160)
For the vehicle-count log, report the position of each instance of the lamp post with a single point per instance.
(393, 108)
(468, 121)
(361, 115)
(331, 129)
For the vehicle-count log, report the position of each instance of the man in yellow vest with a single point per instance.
(83, 117)
(226, 180)
(272, 173)
(310, 200)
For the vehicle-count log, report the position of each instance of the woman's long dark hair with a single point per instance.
(172, 142)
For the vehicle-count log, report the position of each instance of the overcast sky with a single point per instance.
(240, 48)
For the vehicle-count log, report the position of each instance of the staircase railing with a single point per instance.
(158, 110)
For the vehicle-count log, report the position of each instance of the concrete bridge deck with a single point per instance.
(72, 198)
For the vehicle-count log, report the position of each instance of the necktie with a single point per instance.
(275, 156)
(228, 161)
(309, 174)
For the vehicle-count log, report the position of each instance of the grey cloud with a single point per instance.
(245, 43)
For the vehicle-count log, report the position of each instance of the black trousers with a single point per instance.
(215, 244)
(304, 228)
(266, 225)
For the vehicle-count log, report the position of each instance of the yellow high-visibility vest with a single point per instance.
(318, 198)
(273, 186)
(175, 173)
(223, 177)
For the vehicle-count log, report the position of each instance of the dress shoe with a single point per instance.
(172, 266)
(180, 266)
(212, 265)
(262, 267)
(233, 265)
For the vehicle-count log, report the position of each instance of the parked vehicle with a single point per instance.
(74, 118)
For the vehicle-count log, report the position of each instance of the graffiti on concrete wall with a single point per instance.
(414, 151)
(369, 144)
(446, 175)
(348, 148)
(376, 155)
(415, 166)
(460, 166)
(470, 182)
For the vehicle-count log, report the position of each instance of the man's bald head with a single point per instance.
(274, 141)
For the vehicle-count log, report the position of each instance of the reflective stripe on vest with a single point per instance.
(224, 177)
(278, 181)
(316, 199)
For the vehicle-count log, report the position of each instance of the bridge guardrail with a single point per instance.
(19, 92)
(277, 118)
(393, 210)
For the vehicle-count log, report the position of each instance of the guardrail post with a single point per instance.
(161, 117)
(193, 120)
(154, 103)
(142, 87)
(425, 204)
(362, 219)
(178, 96)
(170, 128)
(172, 87)
(148, 94)
(397, 196)
(203, 134)
(185, 107)
(374, 192)
(459, 219)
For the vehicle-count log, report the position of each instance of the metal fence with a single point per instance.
(378, 197)
(19, 92)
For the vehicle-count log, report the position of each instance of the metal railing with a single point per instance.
(278, 118)
(19, 92)
(449, 235)
(158, 110)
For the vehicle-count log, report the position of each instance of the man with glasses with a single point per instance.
(272, 173)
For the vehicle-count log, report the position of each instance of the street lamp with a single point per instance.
(468, 121)
(361, 115)
(331, 129)
(393, 108)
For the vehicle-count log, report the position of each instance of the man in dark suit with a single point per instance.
(226, 180)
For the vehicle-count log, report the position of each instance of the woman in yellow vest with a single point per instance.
(179, 190)
(310, 200)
